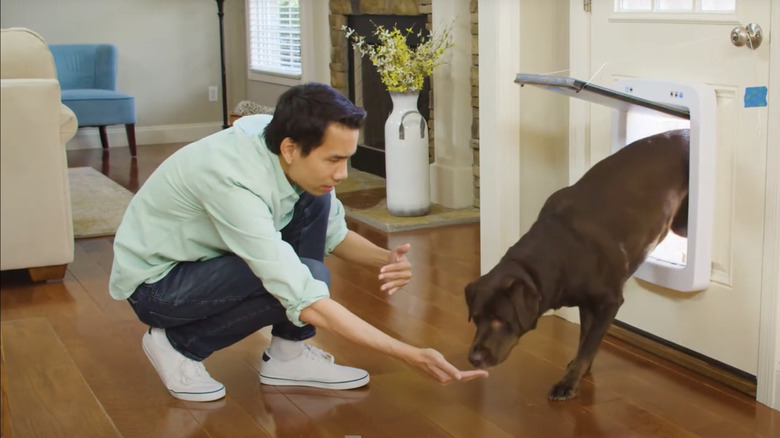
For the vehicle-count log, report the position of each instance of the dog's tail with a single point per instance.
(680, 221)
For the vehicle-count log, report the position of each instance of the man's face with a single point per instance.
(326, 166)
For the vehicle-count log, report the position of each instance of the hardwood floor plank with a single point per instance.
(173, 421)
(47, 394)
(280, 417)
(640, 422)
(724, 429)
(101, 251)
(56, 299)
(454, 408)
(92, 272)
(226, 418)
(336, 414)
(5, 412)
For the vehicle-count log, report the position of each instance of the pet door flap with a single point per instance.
(603, 96)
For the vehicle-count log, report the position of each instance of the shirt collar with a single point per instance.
(253, 127)
(286, 189)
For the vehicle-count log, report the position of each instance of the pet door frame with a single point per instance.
(666, 99)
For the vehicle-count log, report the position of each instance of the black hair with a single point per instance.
(304, 112)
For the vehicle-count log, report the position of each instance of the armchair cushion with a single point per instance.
(98, 107)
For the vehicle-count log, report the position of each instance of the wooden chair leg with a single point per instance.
(130, 128)
(45, 273)
(103, 137)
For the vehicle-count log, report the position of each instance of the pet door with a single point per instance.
(643, 107)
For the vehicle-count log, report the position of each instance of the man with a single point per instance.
(228, 236)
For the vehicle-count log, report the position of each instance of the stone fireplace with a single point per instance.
(357, 79)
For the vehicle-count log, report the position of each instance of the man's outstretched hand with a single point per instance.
(434, 363)
(397, 272)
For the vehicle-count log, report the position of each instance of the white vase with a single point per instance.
(407, 171)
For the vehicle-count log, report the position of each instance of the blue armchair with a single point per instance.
(88, 74)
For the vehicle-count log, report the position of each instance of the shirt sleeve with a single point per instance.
(337, 225)
(244, 222)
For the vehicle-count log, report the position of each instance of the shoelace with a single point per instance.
(317, 354)
(192, 371)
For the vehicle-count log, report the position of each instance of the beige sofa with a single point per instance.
(36, 227)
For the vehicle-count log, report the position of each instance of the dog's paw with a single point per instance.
(562, 391)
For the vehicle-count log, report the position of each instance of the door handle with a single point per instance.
(751, 35)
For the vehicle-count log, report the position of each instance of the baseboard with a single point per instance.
(707, 367)
(89, 138)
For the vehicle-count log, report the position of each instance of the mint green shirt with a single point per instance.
(223, 194)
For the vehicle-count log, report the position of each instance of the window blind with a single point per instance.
(274, 37)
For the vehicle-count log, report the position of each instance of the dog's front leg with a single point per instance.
(586, 323)
(595, 324)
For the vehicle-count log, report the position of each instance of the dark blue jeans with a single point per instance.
(209, 305)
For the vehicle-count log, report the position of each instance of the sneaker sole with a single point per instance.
(199, 396)
(186, 396)
(347, 384)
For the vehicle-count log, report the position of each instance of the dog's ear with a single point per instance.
(471, 294)
(526, 300)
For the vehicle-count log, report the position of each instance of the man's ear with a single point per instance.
(288, 150)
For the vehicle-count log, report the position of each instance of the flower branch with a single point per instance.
(402, 68)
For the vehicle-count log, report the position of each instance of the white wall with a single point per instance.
(544, 122)
(523, 131)
(168, 57)
(452, 175)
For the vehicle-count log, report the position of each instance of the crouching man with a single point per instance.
(228, 236)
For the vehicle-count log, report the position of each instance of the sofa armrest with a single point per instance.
(36, 222)
(68, 124)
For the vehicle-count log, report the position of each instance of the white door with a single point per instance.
(675, 40)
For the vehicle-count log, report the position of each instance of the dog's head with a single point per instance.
(503, 308)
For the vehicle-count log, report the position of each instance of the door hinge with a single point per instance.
(586, 5)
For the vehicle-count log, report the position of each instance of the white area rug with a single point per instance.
(97, 202)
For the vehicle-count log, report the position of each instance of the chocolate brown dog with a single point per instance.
(588, 240)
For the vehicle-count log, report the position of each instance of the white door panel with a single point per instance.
(721, 322)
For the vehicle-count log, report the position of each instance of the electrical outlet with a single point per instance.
(213, 94)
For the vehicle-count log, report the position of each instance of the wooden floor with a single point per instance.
(73, 364)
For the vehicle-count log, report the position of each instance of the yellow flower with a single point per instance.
(400, 67)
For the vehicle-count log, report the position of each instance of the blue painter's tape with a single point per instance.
(755, 97)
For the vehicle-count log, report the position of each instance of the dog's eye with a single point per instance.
(496, 324)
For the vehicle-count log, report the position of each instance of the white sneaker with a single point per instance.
(314, 368)
(186, 379)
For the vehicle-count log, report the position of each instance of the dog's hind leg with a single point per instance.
(595, 327)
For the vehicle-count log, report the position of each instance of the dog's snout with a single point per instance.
(476, 358)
